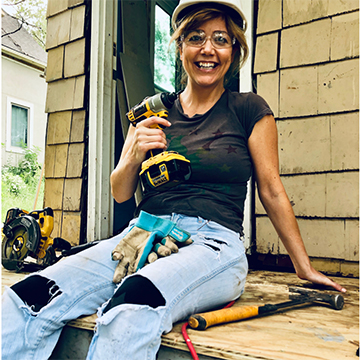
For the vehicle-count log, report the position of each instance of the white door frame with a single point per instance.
(245, 86)
(102, 100)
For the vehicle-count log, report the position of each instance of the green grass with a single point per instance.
(23, 200)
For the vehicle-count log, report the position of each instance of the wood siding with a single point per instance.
(66, 105)
(307, 68)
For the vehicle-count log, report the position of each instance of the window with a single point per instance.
(164, 62)
(19, 123)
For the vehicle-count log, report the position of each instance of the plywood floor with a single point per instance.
(310, 332)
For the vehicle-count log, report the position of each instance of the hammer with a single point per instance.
(301, 296)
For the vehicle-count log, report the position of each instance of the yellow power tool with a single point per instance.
(28, 234)
(162, 169)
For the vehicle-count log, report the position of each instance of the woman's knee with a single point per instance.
(36, 291)
(137, 290)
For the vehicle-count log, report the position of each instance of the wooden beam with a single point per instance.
(101, 120)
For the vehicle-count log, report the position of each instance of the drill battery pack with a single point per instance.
(164, 171)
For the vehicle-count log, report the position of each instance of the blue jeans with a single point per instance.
(209, 272)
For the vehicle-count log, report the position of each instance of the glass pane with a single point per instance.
(19, 126)
(164, 62)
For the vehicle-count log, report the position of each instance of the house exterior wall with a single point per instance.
(307, 68)
(66, 105)
(24, 85)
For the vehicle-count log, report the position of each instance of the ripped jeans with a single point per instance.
(209, 272)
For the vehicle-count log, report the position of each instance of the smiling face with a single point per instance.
(206, 66)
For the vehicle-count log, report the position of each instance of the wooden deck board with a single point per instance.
(308, 332)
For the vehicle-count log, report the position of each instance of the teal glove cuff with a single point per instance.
(159, 228)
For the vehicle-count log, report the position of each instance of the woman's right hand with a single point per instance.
(147, 136)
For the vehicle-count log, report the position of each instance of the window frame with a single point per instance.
(10, 101)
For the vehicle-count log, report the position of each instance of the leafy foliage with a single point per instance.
(28, 168)
(164, 62)
(32, 15)
(19, 183)
(15, 184)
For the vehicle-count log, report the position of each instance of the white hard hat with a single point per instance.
(232, 7)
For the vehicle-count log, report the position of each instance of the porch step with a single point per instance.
(74, 343)
(305, 333)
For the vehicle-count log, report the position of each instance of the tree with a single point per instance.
(32, 15)
(164, 67)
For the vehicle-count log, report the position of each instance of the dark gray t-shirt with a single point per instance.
(216, 145)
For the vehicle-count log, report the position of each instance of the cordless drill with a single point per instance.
(162, 169)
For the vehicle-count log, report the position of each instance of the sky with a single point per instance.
(10, 9)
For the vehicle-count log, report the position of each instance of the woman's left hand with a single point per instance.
(318, 278)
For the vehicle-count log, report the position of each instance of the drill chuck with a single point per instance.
(161, 101)
(157, 105)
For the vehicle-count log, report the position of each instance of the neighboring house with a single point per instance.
(23, 62)
(305, 64)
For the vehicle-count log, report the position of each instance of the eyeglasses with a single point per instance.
(219, 39)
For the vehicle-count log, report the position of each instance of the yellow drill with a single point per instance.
(162, 169)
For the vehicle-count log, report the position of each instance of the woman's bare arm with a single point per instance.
(263, 146)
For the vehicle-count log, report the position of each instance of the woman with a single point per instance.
(225, 135)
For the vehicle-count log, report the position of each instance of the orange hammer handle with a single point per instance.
(205, 320)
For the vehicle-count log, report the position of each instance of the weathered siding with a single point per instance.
(307, 68)
(65, 154)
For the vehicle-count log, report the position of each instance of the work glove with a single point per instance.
(150, 237)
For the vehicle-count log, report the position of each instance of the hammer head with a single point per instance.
(336, 301)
